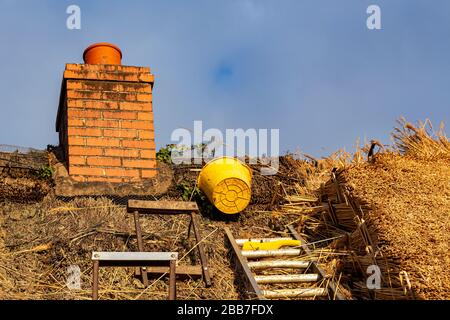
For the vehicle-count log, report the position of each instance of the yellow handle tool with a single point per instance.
(274, 245)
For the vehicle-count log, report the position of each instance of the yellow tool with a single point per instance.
(273, 245)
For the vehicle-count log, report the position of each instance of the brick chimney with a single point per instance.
(105, 122)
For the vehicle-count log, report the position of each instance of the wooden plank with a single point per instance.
(331, 284)
(294, 264)
(172, 280)
(242, 263)
(161, 207)
(296, 293)
(201, 251)
(287, 278)
(95, 270)
(140, 244)
(193, 271)
(253, 254)
(263, 240)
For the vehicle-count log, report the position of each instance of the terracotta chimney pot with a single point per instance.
(102, 53)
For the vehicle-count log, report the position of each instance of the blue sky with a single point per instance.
(310, 68)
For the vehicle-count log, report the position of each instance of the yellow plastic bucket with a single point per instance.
(227, 184)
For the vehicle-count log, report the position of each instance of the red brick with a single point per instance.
(114, 86)
(120, 133)
(146, 77)
(74, 122)
(106, 105)
(90, 74)
(117, 87)
(137, 125)
(145, 116)
(147, 134)
(102, 101)
(74, 85)
(79, 72)
(119, 115)
(109, 67)
(121, 173)
(135, 106)
(130, 96)
(85, 67)
(102, 142)
(105, 67)
(86, 171)
(102, 123)
(86, 132)
(103, 179)
(83, 113)
(124, 153)
(74, 103)
(83, 94)
(135, 87)
(138, 144)
(146, 174)
(83, 74)
(148, 154)
(73, 66)
(134, 69)
(76, 74)
(77, 160)
(117, 96)
(104, 162)
(139, 163)
(134, 77)
(75, 141)
(85, 151)
(141, 97)
(103, 86)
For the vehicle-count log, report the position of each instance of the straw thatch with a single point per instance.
(396, 206)
(39, 241)
(388, 208)
(410, 200)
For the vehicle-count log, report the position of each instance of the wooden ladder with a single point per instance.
(307, 272)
